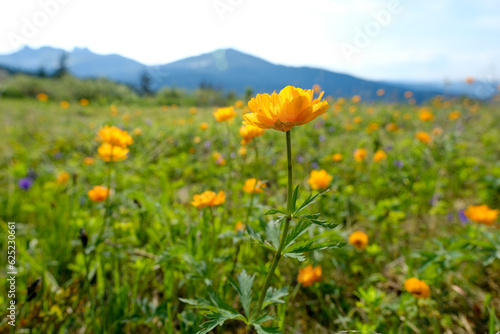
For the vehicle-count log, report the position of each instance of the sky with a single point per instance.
(393, 40)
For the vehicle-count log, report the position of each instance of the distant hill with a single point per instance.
(226, 69)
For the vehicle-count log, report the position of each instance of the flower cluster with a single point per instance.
(208, 198)
(114, 142)
(253, 186)
(308, 276)
(249, 132)
(418, 288)
(359, 240)
(319, 179)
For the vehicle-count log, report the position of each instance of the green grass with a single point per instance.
(159, 248)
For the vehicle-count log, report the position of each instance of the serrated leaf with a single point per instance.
(273, 295)
(298, 256)
(257, 237)
(309, 245)
(297, 231)
(310, 200)
(310, 216)
(266, 330)
(257, 323)
(273, 234)
(263, 317)
(216, 319)
(244, 289)
(324, 224)
(294, 198)
(219, 303)
(274, 211)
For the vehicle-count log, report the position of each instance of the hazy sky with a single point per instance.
(414, 40)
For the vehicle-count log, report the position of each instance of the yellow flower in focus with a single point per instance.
(224, 114)
(249, 132)
(204, 126)
(319, 179)
(84, 102)
(62, 177)
(481, 214)
(239, 104)
(358, 239)
(193, 110)
(379, 156)
(359, 154)
(418, 288)
(454, 115)
(337, 157)
(114, 136)
(88, 161)
(108, 152)
(308, 276)
(425, 115)
(64, 104)
(423, 137)
(356, 99)
(42, 97)
(291, 107)
(253, 186)
(380, 92)
(208, 198)
(98, 193)
(239, 227)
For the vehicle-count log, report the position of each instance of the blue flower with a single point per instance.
(25, 183)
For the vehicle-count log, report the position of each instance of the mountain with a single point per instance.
(225, 69)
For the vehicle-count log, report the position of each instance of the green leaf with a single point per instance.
(257, 237)
(310, 200)
(216, 319)
(274, 211)
(297, 231)
(273, 295)
(266, 330)
(244, 289)
(298, 256)
(309, 245)
(273, 234)
(294, 198)
(324, 224)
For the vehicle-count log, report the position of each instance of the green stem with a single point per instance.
(107, 207)
(289, 206)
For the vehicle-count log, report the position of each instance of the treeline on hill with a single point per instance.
(62, 86)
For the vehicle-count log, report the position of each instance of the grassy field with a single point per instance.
(155, 263)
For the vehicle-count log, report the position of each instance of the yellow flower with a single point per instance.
(379, 156)
(308, 276)
(193, 110)
(239, 227)
(196, 140)
(64, 104)
(204, 126)
(454, 115)
(291, 107)
(372, 127)
(319, 179)
(425, 115)
(242, 151)
(481, 214)
(88, 161)
(114, 136)
(437, 131)
(208, 198)
(359, 154)
(418, 288)
(253, 186)
(224, 114)
(337, 157)
(98, 194)
(113, 109)
(62, 177)
(42, 97)
(424, 137)
(356, 99)
(316, 88)
(392, 127)
(408, 94)
(84, 102)
(380, 92)
(249, 132)
(137, 131)
(239, 104)
(356, 120)
(108, 152)
(358, 239)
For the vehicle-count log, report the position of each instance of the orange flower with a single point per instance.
(437, 131)
(469, 80)
(114, 136)
(418, 288)
(337, 157)
(88, 161)
(316, 88)
(481, 214)
(291, 107)
(358, 239)
(208, 198)
(64, 104)
(425, 115)
(391, 127)
(108, 152)
(253, 186)
(319, 179)
(308, 276)
(356, 120)
(204, 126)
(454, 115)
(380, 92)
(224, 114)
(84, 102)
(193, 110)
(359, 154)
(137, 131)
(423, 137)
(249, 132)
(356, 99)
(239, 104)
(62, 177)
(42, 97)
(372, 127)
(239, 227)
(408, 94)
(98, 193)
(379, 156)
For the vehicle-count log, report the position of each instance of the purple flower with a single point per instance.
(207, 144)
(232, 155)
(398, 163)
(58, 155)
(314, 165)
(388, 148)
(321, 138)
(331, 129)
(300, 159)
(462, 217)
(25, 183)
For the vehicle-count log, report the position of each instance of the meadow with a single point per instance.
(407, 240)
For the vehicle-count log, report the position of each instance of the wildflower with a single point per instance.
(137, 131)
(423, 137)
(337, 157)
(469, 80)
(359, 154)
(62, 177)
(193, 110)
(454, 115)
(372, 127)
(291, 107)
(308, 276)
(481, 214)
(380, 92)
(204, 126)
(249, 132)
(242, 151)
(64, 104)
(418, 288)
(352, 109)
(114, 136)
(408, 94)
(88, 161)
(437, 131)
(253, 186)
(192, 150)
(407, 115)
(356, 120)
(239, 227)
(316, 88)
(108, 152)
(379, 156)
(358, 239)
(98, 194)
(239, 104)
(84, 102)
(113, 109)
(42, 97)
(208, 198)
(356, 99)
(25, 183)
(391, 127)
(370, 110)
(425, 115)
(319, 179)
(224, 114)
